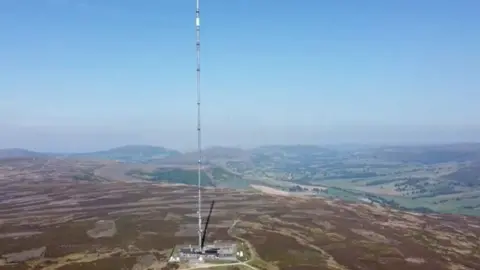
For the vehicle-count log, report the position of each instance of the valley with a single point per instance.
(428, 178)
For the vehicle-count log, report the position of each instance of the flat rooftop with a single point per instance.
(215, 244)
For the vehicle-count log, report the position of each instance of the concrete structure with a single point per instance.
(218, 251)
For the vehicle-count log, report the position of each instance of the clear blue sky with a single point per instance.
(77, 75)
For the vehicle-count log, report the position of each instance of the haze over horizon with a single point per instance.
(90, 75)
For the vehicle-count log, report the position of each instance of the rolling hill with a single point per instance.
(19, 153)
(131, 154)
(442, 178)
(215, 154)
(212, 176)
(128, 153)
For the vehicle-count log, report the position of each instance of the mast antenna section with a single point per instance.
(199, 129)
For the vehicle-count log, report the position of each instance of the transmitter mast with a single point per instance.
(199, 129)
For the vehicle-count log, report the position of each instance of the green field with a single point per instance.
(443, 178)
(211, 177)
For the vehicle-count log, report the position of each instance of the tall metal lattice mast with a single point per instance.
(199, 130)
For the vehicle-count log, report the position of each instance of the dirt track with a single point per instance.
(271, 191)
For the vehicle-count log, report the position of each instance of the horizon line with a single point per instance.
(236, 147)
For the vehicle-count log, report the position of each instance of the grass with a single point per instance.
(216, 177)
(289, 253)
(251, 256)
(179, 176)
(247, 255)
(114, 263)
(227, 267)
(224, 178)
(412, 177)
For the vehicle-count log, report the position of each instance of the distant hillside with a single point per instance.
(467, 177)
(297, 150)
(431, 154)
(212, 154)
(173, 175)
(19, 153)
(132, 153)
(211, 176)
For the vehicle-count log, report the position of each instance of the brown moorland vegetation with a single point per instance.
(95, 224)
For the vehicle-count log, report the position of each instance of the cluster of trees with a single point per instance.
(350, 175)
(393, 204)
(83, 177)
(381, 182)
(298, 188)
(441, 190)
(180, 176)
(467, 177)
(471, 206)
